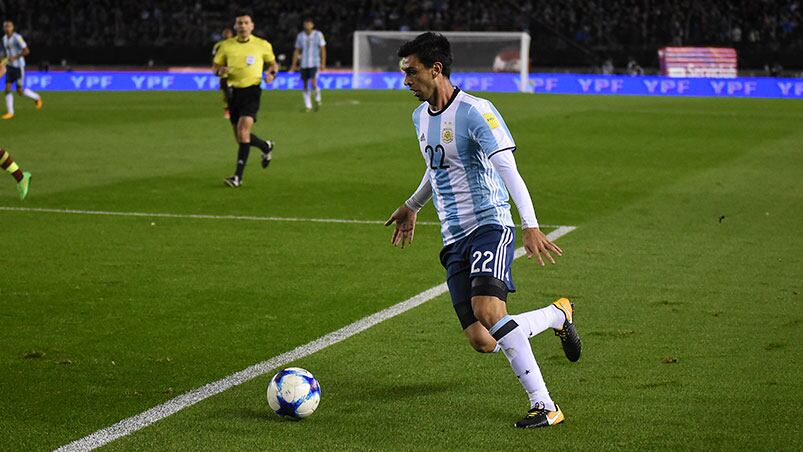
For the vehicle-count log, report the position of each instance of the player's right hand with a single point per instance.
(222, 71)
(404, 217)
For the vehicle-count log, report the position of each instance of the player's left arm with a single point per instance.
(25, 51)
(489, 130)
(535, 242)
(270, 60)
(220, 62)
(323, 53)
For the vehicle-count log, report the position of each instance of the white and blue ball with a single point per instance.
(294, 393)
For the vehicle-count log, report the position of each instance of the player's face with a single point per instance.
(308, 26)
(8, 27)
(418, 78)
(243, 26)
(227, 33)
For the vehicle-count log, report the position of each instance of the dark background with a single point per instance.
(565, 34)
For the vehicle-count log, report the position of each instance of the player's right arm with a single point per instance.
(405, 216)
(296, 54)
(219, 63)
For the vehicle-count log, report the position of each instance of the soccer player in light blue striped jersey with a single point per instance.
(16, 50)
(310, 53)
(470, 173)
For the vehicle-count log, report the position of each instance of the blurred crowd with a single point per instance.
(593, 23)
(629, 23)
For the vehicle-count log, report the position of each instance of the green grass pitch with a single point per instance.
(685, 271)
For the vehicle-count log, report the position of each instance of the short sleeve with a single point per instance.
(488, 129)
(220, 56)
(323, 41)
(299, 44)
(21, 42)
(268, 56)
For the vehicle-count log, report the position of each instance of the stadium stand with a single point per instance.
(566, 33)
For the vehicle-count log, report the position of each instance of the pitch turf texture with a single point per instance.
(685, 271)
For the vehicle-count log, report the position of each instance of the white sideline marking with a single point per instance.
(195, 216)
(159, 412)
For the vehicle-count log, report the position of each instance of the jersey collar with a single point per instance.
(448, 104)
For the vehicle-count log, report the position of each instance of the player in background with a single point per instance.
(242, 61)
(224, 87)
(16, 50)
(468, 153)
(310, 52)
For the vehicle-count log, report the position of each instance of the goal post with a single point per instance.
(473, 52)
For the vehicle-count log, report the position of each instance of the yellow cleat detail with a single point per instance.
(39, 104)
(7, 116)
(555, 417)
(566, 307)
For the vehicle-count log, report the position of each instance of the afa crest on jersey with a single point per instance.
(447, 135)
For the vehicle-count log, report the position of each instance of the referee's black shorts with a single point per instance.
(244, 102)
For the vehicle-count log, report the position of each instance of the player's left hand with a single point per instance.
(536, 244)
(269, 77)
(404, 217)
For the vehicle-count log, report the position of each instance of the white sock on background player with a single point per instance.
(318, 95)
(10, 103)
(516, 348)
(30, 93)
(535, 322)
(307, 101)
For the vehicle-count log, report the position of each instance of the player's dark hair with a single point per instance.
(430, 48)
(244, 12)
(308, 19)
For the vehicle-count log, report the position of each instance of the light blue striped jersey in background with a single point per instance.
(13, 46)
(457, 143)
(310, 46)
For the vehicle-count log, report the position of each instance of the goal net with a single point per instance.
(472, 51)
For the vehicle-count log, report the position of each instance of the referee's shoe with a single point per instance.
(267, 155)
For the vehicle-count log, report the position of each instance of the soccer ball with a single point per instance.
(294, 393)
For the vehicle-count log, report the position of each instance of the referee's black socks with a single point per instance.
(259, 142)
(242, 157)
